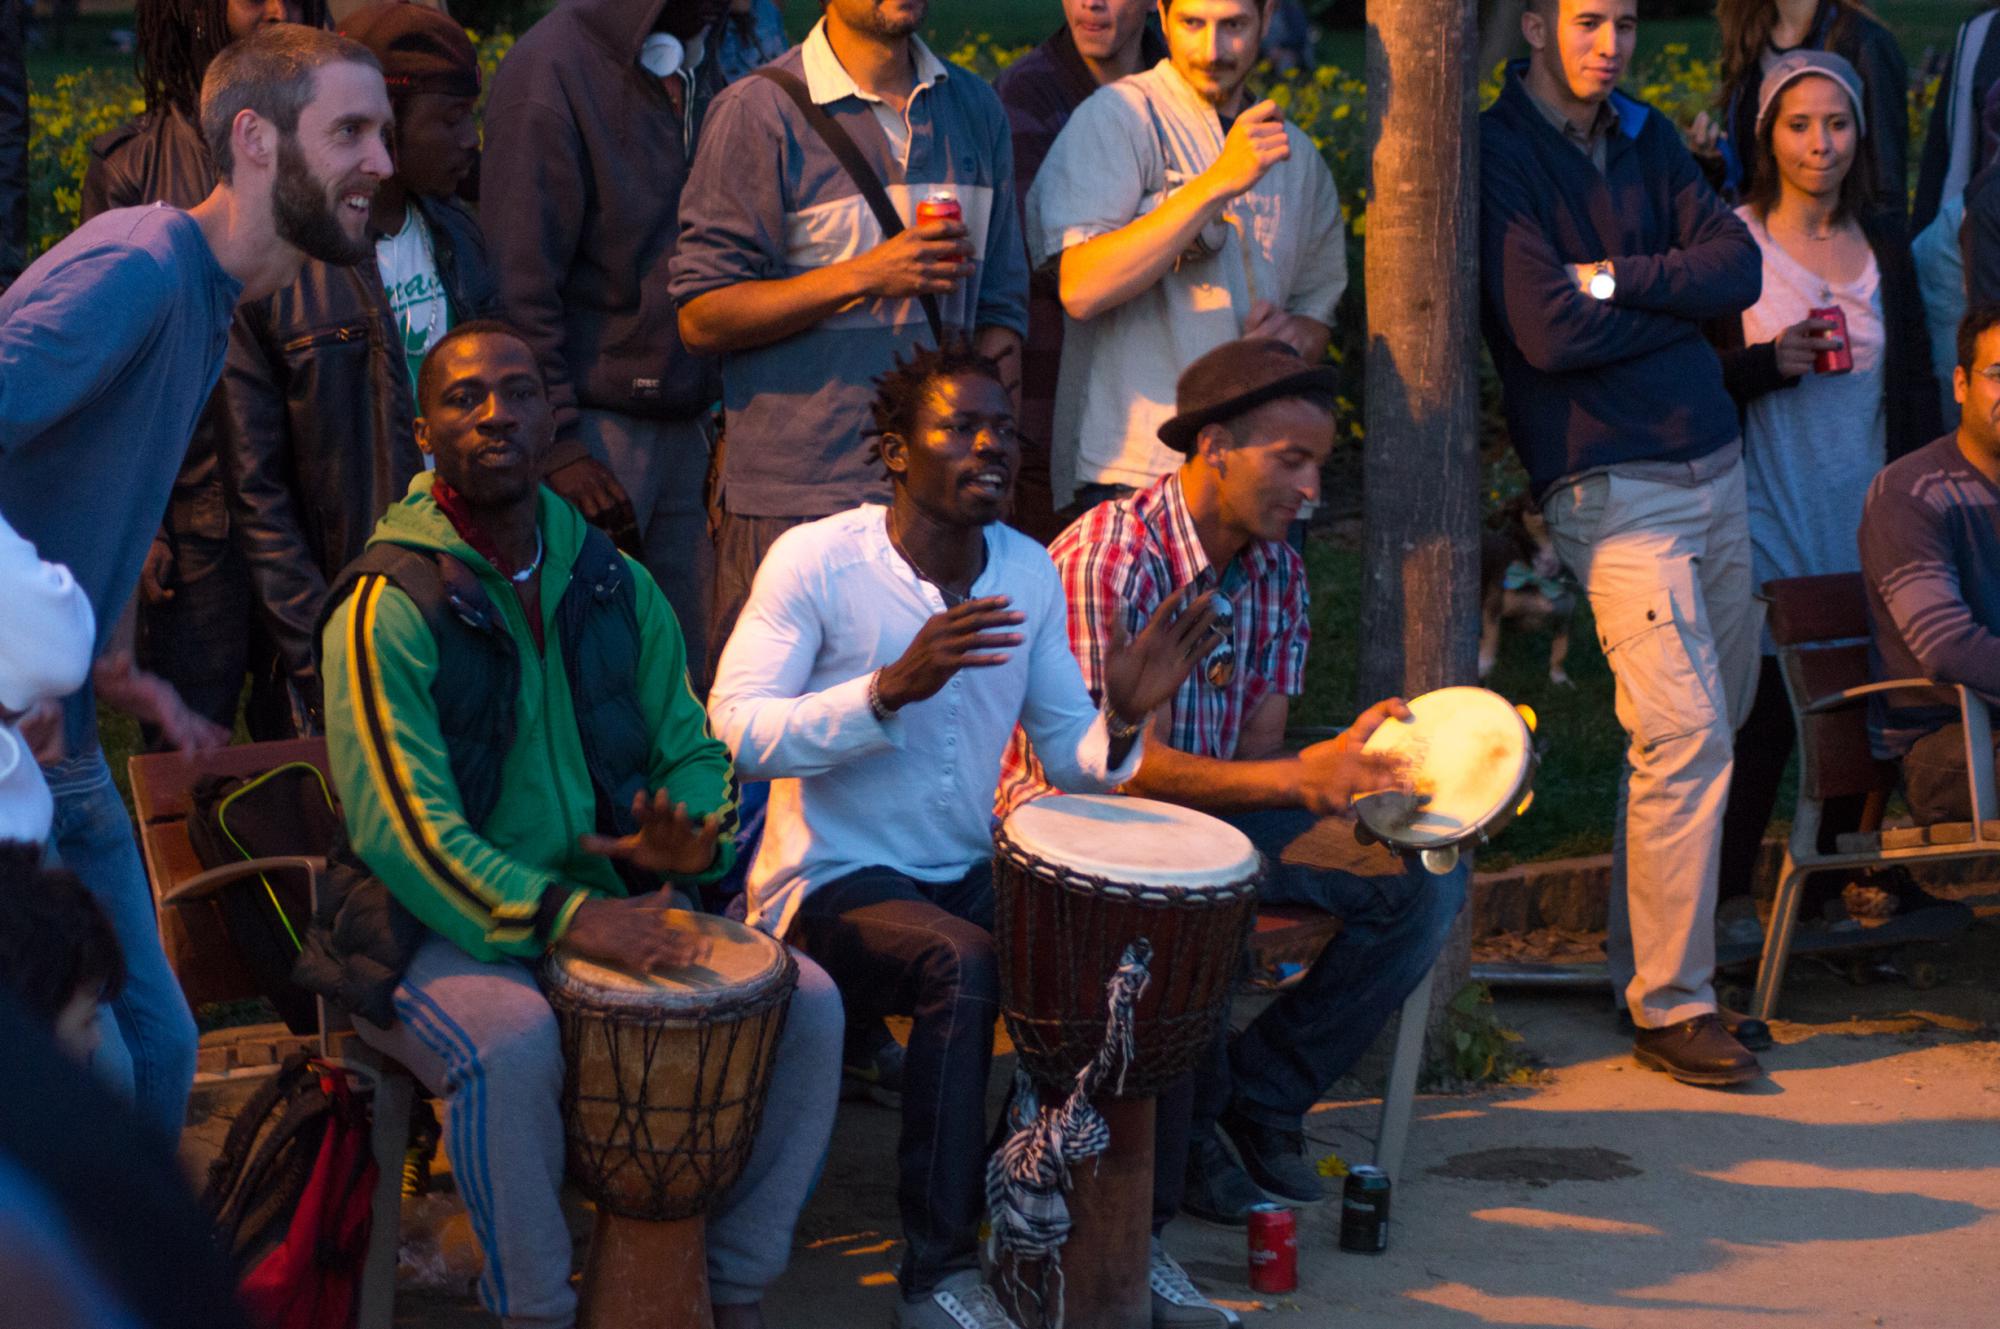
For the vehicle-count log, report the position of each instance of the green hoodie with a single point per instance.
(482, 887)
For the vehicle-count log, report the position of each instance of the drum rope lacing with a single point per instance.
(1027, 1177)
(666, 1162)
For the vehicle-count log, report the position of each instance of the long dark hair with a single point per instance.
(1746, 30)
(1857, 187)
(177, 38)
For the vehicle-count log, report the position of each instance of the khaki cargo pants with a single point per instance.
(1667, 570)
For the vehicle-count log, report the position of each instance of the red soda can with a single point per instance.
(1274, 1249)
(940, 205)
(1833, 362)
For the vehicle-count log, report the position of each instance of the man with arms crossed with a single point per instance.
(884, 658)
(1100, 42)
(109, 346)
(1178, 216)
(1602, 250)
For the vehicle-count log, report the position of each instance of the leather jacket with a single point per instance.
(318, 437)
(162, 159)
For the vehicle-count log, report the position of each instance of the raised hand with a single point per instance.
(668, 840)
(920, 260)
(632, 935)
(971, 635)
(1141, 675)
(1335, 773)
(1254, 144)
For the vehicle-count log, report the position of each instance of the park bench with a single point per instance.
(209, 970)
(1820, 627)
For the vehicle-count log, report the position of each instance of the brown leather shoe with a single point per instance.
(1698, 1051)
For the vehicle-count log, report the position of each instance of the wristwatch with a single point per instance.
(1121, 730)
(1601, 284)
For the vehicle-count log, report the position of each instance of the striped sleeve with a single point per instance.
(1908, 552)
(402, 806)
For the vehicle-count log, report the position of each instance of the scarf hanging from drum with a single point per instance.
(1027, 1177)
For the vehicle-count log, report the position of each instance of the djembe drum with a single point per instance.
(663, 1086)
(1077, 878)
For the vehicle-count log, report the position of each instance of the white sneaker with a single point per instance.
(962, 1301)
(1177, 1303)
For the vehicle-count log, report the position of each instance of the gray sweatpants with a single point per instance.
(483, 1037)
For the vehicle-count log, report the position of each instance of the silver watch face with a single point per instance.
(1602, 284)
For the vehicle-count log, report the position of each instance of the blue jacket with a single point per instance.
(1589, 383)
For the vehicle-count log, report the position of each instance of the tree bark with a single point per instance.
(1420, 464)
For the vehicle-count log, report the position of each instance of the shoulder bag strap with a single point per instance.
(848, 154)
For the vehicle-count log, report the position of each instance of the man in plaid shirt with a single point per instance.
(1255, 422)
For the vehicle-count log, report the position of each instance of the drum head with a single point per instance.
(1468, 749)
(740, 961)
(1133, 840)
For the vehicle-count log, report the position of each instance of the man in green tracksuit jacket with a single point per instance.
(518, 752)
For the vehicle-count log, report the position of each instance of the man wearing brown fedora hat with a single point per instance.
(1254, 422)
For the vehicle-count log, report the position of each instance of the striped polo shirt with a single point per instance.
(768, 200)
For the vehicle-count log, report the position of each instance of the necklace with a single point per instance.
(521, 578)
(952, 599)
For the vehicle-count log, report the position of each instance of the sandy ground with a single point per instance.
(1859, 1185)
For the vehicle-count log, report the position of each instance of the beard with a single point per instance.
(304, 215)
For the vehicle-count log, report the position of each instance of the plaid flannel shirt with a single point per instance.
(1126, 556)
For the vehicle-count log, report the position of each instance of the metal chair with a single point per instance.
(1820, 626)
(198, 948)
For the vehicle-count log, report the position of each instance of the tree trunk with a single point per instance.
(1420, 465)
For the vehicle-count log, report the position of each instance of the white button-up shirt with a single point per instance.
(832, 603)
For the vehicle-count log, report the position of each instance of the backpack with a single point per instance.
(290, 1197)
(286, 810)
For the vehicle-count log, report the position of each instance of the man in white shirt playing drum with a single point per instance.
(884, 658)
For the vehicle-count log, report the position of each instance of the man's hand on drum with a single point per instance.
(1335, 773)
(668, 840)
(972, 635)
(633, 936)
(1142, 674)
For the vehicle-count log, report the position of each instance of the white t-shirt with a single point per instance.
(1124, 150)
(45, 653)
(408, 266)
(1810, 451)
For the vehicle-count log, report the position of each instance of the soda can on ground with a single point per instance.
(940, 205)
(1274, 1249)
(1364, 1211)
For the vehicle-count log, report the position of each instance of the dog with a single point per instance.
(1522, 581)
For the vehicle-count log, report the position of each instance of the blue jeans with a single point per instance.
(1393, 924)
(924, 949)
(152, 1057)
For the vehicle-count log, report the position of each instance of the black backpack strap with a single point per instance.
(849, 156)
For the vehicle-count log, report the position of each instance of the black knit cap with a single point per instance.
(1238, 376)
(421, 49)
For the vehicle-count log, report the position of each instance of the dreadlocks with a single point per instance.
(899, 392)
(176, 40)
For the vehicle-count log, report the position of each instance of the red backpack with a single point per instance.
(291, 1197)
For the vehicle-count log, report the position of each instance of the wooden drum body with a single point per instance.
(1077, 879)
(663, 1088)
